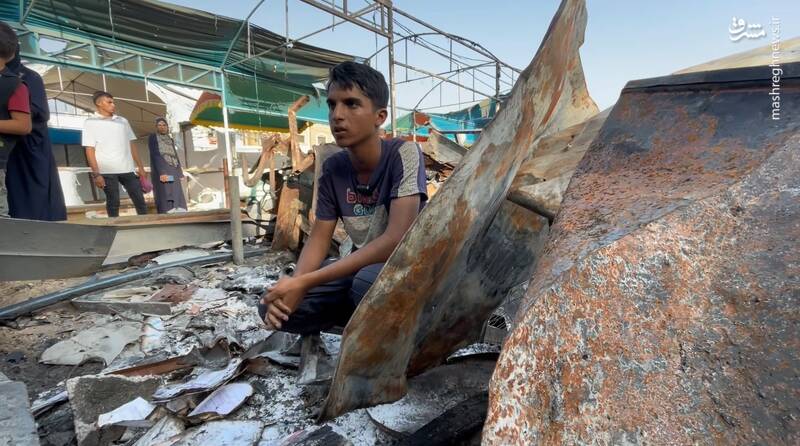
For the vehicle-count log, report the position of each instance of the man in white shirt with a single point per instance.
(108, 139)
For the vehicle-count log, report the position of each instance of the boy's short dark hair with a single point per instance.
(100, 94)
(8, 41)
(370, 81)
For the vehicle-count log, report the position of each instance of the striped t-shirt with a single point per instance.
(365, 211)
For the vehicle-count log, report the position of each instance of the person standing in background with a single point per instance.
(15, 113)
(108, 139)
(165, 170)
(34, 188)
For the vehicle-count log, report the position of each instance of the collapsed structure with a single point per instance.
(644, 258)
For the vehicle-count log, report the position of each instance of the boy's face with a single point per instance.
(106, 105)
(352, 116)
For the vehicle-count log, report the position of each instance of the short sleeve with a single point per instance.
(326, 198)
(408, 172)
(20, 100)
(88, 138)
(129, 131)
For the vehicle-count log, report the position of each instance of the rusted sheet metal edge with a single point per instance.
(718, 77)
(379, 340)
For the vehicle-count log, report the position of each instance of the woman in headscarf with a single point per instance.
(34, 189)
(165, 170)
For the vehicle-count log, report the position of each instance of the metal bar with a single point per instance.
(478, 48)
(23, 308)
(194, 78)
(445, 72)
(497, 81)
(392, 85)
(119, 59)
(246, 22)
(162, 68)
(67, 48)
(350, 18)
(27, 11)
(356, 14)
(233, 184)
(116, 98)
(444, 79)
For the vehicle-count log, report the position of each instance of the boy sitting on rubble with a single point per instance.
(376, 186)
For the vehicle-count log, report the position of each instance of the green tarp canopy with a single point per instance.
(268, 83)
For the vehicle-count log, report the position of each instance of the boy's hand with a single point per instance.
(283, 298)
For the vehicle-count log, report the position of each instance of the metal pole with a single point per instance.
(392, 86)
(233, 185)
(497, 81)
(16, 310)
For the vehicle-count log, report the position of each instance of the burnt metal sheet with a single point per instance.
(31, 249)
(410, 318)
(441, 150)
(664, 308)
(542, 179)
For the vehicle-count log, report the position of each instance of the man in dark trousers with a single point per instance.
(108, 139)
(376, 187)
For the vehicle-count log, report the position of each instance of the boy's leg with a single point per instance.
(112, 194)
(362, 281)
(134, 188)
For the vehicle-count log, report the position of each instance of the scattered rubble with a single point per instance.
(93, 395)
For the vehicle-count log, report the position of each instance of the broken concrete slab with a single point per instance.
(93, 395)
(17, 426)
(393, 322)
(105, 343)
(222, 433)
(222, 402)
(665, 309)
(131, 414)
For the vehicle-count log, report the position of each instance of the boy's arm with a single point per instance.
(404, 211)
(19, 124)
(291, 289)
(287, 294)
(316, 248)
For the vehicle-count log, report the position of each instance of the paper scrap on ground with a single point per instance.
(203, 382)
(177, 256)
(223, 401)
(131, 414)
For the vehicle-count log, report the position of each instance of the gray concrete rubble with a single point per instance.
(17, 426)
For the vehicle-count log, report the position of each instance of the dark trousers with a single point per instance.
(132, 186)
(330, 304)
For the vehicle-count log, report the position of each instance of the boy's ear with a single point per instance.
(380, 117)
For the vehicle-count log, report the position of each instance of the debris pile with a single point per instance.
(203, 368)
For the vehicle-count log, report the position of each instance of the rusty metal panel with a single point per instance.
(383, 336)
(543, 177)
(664, 308)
